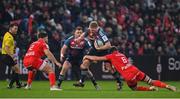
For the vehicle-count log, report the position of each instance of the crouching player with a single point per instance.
(32, 60)
(129, 72)
(75, 52)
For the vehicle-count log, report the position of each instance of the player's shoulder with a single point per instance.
(101, 32)
(40, 41)
(8, 35)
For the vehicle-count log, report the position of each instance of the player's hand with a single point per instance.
(86, 57)
(62, 58)
(96, 46)
(14, 58)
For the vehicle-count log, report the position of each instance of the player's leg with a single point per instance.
(93, 80)
(133, 85)
(158, 83)
(8, 60)
(115, 74)
(16, 70)
(84, 70)
(84, 73)
(66, 66)
(52, 79)
(31, 75)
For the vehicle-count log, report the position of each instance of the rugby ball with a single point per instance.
(99, 42)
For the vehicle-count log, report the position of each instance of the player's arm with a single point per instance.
(7, 48)
(95, 58)
(63, 52)
(51, 57)
(64, 48)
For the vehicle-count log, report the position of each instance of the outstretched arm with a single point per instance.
(51, 57)
(95, 58)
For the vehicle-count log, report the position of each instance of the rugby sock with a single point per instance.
(16, 77)
(84, 73)
(92, 78)
(52, 79)
(143, 88)
(117, 77)
(60, 80)
(159, 84)
(12, 79)
(31, 75)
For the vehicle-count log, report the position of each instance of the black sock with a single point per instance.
(60, 80)
(117, 77)
(92, 78)
(16, 75)
(84, 73)
(12, 79)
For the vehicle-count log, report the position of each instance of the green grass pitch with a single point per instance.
(41, 89)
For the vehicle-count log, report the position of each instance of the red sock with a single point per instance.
(158, 83)
(142, 88)
(52, 79)
(30, 77)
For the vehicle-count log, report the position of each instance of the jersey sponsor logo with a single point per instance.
(30, 53)
(75, 45)
(105, 38)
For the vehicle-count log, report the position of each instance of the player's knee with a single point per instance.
(48, 69)
(16, 69)
(85, 64)
(148, 79)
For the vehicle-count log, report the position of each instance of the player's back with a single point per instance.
(119, 60)
(123, 60)
(36, 49)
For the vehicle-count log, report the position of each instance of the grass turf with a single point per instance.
(41, 89)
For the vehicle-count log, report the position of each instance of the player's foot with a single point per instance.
(97, 87)
(55, 88)
(153, 88)
(10, 86)
(172, 88)
(28, 87)
(78, 84)
(21, 85)
(119, 86)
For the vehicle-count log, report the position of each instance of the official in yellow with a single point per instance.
(8, 57)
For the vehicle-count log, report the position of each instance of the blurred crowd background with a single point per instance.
(137, 27)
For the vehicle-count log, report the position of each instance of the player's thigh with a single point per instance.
(85, 64)
(42, 65)
(66, 66)
(140, 76)
(47, 69)
(7, 60)
(16, 68)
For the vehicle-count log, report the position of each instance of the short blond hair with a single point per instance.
(93, 24)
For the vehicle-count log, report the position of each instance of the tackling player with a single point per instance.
(96, 33)
(74, 52)
(32, 60)
(130, 73)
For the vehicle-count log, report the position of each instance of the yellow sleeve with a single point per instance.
(8, 42)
